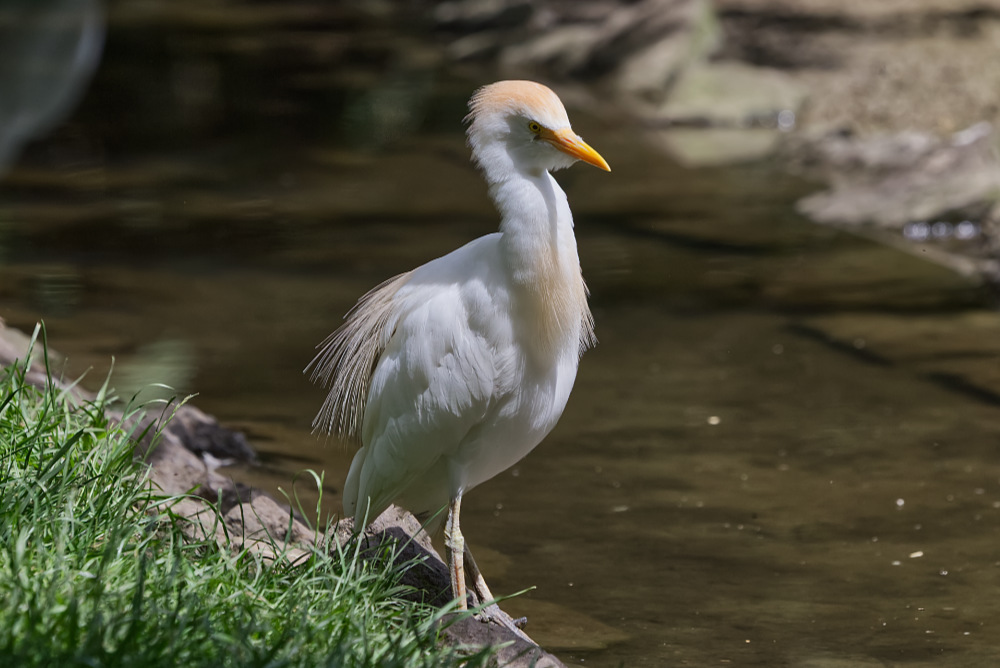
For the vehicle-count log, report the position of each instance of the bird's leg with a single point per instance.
(455, 542)
(477, 579)
(458, 553)
(491, 611)
(478, 582)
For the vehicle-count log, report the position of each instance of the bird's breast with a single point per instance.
(527, 404)
(550, 315)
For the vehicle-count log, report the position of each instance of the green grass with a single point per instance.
(94, 570)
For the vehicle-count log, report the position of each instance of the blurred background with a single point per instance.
(783, 452)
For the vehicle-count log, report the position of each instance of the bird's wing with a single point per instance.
(348, 357)
(431, 387)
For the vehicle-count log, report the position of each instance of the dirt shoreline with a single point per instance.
(184, 446)
(900, 65)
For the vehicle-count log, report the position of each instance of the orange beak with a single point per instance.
(571, 144)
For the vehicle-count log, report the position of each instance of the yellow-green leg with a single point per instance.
(454, 541)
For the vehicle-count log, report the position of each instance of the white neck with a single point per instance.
(540, 253)
(537, 228)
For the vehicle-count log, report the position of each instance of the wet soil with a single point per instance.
(876, 67)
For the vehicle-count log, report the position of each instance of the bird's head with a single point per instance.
(523, 125)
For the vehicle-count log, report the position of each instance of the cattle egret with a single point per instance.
(452, 372)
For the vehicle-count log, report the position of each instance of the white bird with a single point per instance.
(452, 372)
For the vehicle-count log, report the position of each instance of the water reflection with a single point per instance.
(48, 52)
(4, 231)
(57, 289)
(390, 110)
(158, 370)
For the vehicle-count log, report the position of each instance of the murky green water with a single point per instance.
(727, 486)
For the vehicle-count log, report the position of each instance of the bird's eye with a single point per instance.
(534, 127)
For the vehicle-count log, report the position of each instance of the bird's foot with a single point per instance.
(492, 614)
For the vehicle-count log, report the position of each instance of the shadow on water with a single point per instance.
(752, 470)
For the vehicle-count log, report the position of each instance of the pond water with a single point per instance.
(729, 485)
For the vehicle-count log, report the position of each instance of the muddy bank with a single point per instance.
(185, 448)
(870, 68)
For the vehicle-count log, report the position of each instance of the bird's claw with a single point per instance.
(490, 614)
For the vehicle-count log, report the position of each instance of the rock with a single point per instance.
(177, 470)
(656, 43)
(638, 47)
(921, 175)
(198, 520)
(401, 534)
(270, 530)
(876, 68)
(562, 51)
(511, 652)
(728, 113)
(888, 182)
(14, 345)
(711, 147)
(203, 435)
(474, 15)
(731, 94)
(890, 85)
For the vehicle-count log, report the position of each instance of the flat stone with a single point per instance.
(731, 94)
(269, 530)
(859, 10)
(892, 180)
(561, 50)
(483, 14)
(198, 521)
(510, 652)
(712, 147)
(670, 36)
